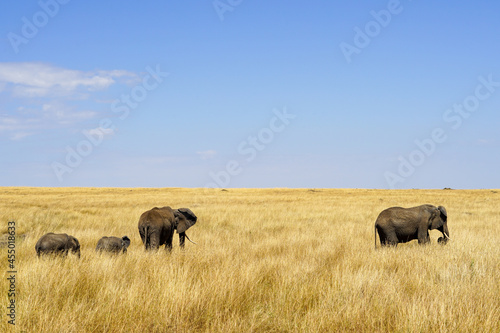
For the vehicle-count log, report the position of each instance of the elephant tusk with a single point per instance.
(190, 239)
(445, 235)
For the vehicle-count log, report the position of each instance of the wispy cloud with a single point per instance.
(20, 135)
(29, 80)
(8, 123)
(207, 154)
(64, 114)
(48, 97)
(100, 132)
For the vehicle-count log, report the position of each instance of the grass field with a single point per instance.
(266, 260)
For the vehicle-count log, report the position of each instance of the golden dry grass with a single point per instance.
(267, 260)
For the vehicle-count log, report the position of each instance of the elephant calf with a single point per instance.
(113, 244)
(57, 244)
(400, 225)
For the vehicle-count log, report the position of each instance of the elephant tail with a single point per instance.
(146, 238)
(375, 233)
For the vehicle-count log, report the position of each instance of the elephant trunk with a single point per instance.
(446, 233)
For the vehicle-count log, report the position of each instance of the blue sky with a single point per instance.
(238, 93)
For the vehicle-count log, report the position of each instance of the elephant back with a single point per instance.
(156, 217)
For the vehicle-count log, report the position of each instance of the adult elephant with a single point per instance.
(156, 226)
(57, 244)
(113, 244)
(400, 225)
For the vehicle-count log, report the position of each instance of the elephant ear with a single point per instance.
(77, 243)
(436, 220)
(444, 214)
(125, 242)
(186, 219)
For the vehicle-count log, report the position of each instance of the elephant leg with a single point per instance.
(423, 237)
(391, 239)
(142, 237)
(383, 240)
(146, 242)
(387, 238)
(381, 235)
(154, 241)
(168, 241)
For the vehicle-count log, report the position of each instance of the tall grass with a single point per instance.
(267, 260)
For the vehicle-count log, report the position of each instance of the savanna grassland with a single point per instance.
(266, 260)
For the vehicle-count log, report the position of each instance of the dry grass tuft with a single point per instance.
(271, 260)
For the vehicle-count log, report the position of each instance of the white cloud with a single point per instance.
(30, 80)
(17, 129)
(61, 113)
(100, 132)
(48, 97)
(207, 154)
(10, 123)
(20, 135)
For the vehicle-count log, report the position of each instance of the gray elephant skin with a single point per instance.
(157, 226)
(57, 244)
(400, 225)
(113, 244)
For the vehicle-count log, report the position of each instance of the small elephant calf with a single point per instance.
(57, 244)
(113, 244)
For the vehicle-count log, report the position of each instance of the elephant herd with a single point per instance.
(156, 227)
